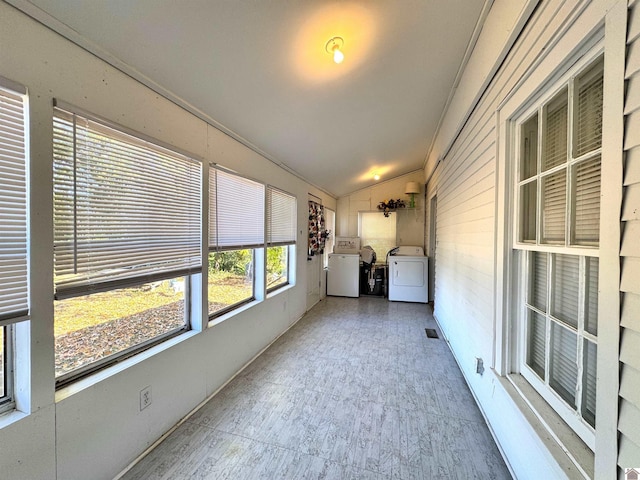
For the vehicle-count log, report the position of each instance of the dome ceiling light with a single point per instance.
(334, 47)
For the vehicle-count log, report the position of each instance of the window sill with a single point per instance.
(10, 417)
(562, 443)
(115, 369)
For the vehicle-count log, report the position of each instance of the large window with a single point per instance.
(557, 182)
(14, 300)
(378, 231)
(126, 238)
(281, 237)
(236, 230)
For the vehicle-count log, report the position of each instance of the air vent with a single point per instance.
(431, 332)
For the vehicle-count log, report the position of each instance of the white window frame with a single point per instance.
(607, 33)
(522, 248)
(191, 273)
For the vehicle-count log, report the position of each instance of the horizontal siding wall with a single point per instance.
(464, 182)
(629, 419)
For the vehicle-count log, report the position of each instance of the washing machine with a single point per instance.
(408, 275)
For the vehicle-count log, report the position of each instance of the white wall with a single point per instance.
(410, 222)
(94, 428)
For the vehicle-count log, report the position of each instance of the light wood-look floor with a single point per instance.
(355, 390)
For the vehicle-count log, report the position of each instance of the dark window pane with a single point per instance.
(554, 150)
(536, 343)
(565, 286)
(554, 206)
(529, 148)
(528, 208)
(563, 366)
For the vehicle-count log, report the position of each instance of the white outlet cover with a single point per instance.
(145, 397)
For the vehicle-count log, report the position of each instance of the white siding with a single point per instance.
(465, 184)
(629, 419)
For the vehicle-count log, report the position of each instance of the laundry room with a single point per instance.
(380, 236)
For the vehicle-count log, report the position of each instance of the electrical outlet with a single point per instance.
(479, 366)
(145, 397)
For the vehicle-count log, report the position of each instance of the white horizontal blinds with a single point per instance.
(529, 148)
(237, 206)
(554, 140)
(14, 299)
(528, 211)
(563, 362)
(538, 286)
(554, 207)
(587, 133)
(281, 217)
(591, 295)
(554, 185)
(586, 184)
(565, 288)
(126, 211)
(562, 193)
(536, 342)
(589, 353)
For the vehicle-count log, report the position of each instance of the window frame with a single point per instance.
(522, 249)
(213, 236)
(229, 308)
(7, 400)
(188, 272)
(270, 242)
(580, 44)
(289, 250)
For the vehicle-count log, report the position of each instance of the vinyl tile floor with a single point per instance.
(354, 390)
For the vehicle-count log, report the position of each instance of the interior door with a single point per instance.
(314, 267)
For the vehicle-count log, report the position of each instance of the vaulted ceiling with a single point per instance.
(258, 69)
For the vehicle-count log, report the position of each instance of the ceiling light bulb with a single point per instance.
(376, 177)
(338, 56)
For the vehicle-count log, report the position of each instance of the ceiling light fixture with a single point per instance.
(333, 47)
(376, 177)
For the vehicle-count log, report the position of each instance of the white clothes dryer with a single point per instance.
(408, 275)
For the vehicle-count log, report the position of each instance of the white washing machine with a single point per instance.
(409, 275)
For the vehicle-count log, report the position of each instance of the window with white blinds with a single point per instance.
(557, 183)
(126, 211)
(281, 217)
(14, 298)
(236, 211)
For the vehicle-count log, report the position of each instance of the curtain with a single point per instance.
(317, 232)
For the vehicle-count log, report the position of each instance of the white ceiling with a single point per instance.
(260, 70)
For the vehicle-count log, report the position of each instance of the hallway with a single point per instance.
(354, 390)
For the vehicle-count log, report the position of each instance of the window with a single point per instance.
(281, 237)
(236, 229)
(126, 239)
(378, 231)
(556, 243)
(14, 286)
